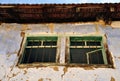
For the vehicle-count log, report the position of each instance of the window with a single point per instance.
(87, 50)
(39, 49)
(79, 50)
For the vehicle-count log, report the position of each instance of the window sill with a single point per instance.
(91, 65)
(32, 65)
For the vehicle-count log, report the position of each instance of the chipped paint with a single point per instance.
(88, 68)
(112, 79)
(56, 68)
(25, 72)
(65, 69)
(97, 29)
(48, 79)
(22, 34)
(118, 57)
(40, 79)
(51, 27)
(24, 27)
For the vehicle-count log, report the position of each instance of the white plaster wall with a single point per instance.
(10, 40)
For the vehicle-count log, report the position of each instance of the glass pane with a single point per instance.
(77, 43)
(86, 38)
(34, 43)
(93, 43)
(79, 55)
(50, 43)
(96, 57)
(39, 55)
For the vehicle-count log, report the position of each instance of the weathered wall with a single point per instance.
(10, 40)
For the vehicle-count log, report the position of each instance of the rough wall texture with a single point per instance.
(10, 40)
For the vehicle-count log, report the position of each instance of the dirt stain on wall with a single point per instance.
(40, 79)
(24, 27)
(88, 68)
(65, 70)
(56, 68)
(51, 27)
(112, 79)
(22, 34)
(48, 79)
(118, 57)
(25, 72)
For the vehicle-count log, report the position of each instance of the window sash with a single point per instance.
(87, 39)
(41, 39)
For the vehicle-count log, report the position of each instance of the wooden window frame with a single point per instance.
(24, 44)
(67, 53)
(104, 49)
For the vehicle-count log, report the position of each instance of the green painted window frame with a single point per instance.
(67, 50)
(40, 38)
(88, 38)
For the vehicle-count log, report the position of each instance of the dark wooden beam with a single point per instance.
(47, 13)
